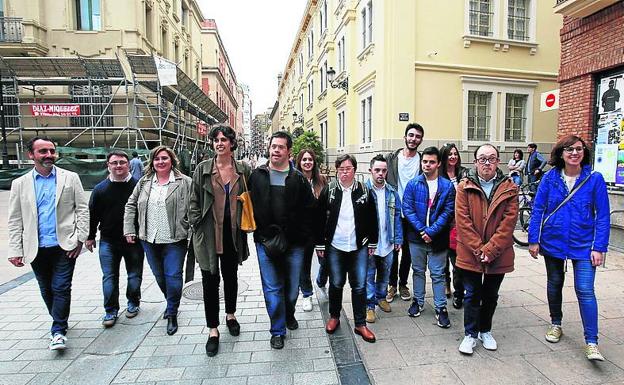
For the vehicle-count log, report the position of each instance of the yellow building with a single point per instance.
(469, 71)
(97, 56)
(104, 28)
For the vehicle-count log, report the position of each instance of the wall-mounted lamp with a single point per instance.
(343, 84)
(297, 118)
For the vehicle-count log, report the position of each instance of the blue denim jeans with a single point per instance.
(376, 289)
(111, 254)
(323, 274)
(423, 256)
(584, 275)
(355, 264)
(480, 301)
(54, 273)
(166, 261)
(280, 285)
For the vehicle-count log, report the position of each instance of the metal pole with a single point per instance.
(5, 150)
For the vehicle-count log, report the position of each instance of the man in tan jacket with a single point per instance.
(486, 209)
(48, 223)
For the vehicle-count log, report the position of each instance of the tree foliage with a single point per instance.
(310, 140)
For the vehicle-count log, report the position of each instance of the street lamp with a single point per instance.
(343, 84)
(297, 118)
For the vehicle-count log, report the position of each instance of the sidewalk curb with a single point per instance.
(16, 282)
(349, 363)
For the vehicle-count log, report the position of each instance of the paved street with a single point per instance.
(408, 350)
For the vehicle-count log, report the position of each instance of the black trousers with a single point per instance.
(228, 268)
(400, 273)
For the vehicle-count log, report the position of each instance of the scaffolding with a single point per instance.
(131, 111)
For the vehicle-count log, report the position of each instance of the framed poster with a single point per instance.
(609, 128)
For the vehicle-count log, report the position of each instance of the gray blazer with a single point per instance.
(177, 203)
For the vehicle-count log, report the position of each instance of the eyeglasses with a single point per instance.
(345, 169)
(491, 160)
(118, 163)
(570, 150)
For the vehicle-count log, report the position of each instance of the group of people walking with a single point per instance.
(415, 211)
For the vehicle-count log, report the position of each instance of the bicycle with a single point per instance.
(525, 208)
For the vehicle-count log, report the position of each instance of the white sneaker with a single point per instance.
(467, 345)
(307, 304)
(58, 342)
(488, 341)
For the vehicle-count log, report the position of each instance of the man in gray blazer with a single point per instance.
(48, 223)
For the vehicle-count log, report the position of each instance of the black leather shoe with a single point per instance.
(172, 324)
(233, 327)
(277, 342)
(212, 346)
(458, 303)
(292, 324)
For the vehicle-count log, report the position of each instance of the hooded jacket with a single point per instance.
(485, 226)
(581, 225)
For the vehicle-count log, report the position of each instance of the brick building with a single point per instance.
(591, 78)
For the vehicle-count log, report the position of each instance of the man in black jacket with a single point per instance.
(282, 201)
(347, 236)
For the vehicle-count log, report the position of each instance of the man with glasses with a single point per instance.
(282, 205)
(486, 210)
(48, 222)
(346, 237)
(403, 166)
(106, 209)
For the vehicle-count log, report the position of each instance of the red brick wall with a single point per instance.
(588, 45)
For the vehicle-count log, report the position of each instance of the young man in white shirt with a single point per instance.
(403, 166)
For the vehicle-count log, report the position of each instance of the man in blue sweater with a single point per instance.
(106, 209)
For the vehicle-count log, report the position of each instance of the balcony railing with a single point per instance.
(11, 30)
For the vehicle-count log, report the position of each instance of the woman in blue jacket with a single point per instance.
(576, 228)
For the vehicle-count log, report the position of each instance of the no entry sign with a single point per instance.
(549, 100)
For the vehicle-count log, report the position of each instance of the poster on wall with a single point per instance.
(605, 161)
(611, 94)
(619, 172)
(609, 139)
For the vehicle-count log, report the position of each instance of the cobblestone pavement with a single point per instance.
(408, 350)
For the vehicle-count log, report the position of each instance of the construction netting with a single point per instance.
(89, 164)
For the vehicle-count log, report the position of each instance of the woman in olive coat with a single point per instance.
(218, 242)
